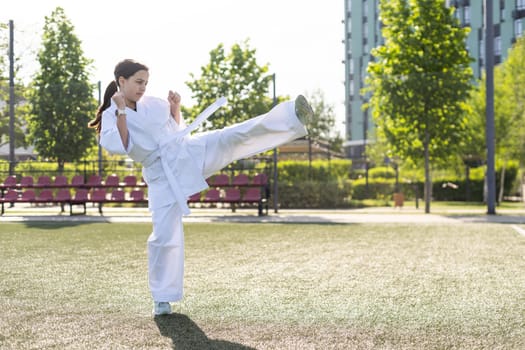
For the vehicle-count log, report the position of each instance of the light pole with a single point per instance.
(275, 187)
(489, 68)
(99, 147)
(11, 100)
(365, 156)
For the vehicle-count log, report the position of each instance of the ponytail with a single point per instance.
(125, 69)
(96, 123)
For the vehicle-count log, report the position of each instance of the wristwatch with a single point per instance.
(121, 111)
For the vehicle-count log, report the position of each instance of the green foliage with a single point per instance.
(455, 190)
(420, 81)
(237, 76)
(513, 85)
(509, 107)
(315, 194)
(324, 184)
(62, 98)
(382, 172)
(477, 173)
(377, 188)
(293, 171)
(323, 122)
(447, 184)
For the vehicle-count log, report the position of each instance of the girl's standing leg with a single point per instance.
(166, 254)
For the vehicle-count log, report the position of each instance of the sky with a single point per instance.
(300, 40)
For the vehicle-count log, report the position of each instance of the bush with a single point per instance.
(313, 194)
(291, 171)
(456, 190)
(378, 188)
(382, 173)
(324, 184)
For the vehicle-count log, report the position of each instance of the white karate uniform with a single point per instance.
(176, 167)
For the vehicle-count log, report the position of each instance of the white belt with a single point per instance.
(178, 137)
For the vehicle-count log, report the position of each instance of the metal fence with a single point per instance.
(120, 168)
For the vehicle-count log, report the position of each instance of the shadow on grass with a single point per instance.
(51, 225)
(185, 334)
(297, 219)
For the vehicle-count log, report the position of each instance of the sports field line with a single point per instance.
(519, 230)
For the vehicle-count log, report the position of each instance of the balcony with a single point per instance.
(516, 14)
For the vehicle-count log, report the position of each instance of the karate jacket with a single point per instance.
(172, 165)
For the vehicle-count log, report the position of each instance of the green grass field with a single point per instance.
(266, 286)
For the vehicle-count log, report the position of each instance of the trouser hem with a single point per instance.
(170, 298)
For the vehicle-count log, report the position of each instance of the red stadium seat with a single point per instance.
(112, 181)
(241, 180)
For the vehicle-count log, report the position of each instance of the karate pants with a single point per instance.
(242, 140)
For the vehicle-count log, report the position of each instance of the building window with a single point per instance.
(518, 27)
(466, 14)
(365, 8)
(520, 4)
(365, 30)
(482, 49)
(497, 46)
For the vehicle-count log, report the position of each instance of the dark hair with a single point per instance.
(126, 69)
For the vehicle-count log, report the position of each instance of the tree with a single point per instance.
(61, 98)
(420, 81)
(509, 111)
(322, 125)
(510, 90)
(239, 78)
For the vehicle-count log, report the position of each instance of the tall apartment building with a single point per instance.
(363, 32)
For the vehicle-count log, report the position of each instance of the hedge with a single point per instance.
(381, 184)
(319, 184)
(313, 194)
(320, 170)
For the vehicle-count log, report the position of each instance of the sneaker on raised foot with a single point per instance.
(303, 110)
(161, 308)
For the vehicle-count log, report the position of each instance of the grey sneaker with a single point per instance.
(162, 308)
(303, 110)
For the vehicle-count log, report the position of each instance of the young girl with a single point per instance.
(176, 164)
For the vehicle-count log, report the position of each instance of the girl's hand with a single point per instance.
(118, 98)
(174, 101)
(174, 98)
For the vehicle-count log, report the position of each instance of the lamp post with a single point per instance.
(365, 156)
(489, 68)
(275, 187)
(99, 147)
(11, 100)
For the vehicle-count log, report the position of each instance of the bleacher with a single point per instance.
(235, 192)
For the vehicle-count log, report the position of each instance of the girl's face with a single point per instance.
(134, 87)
